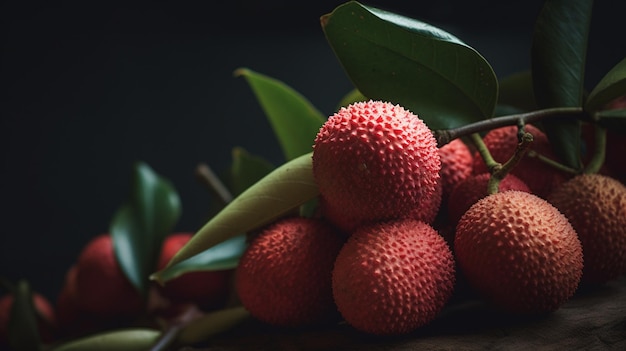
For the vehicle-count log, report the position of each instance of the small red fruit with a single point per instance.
(373, 161)
(519, 252)
(284, 276)
(596, 207)
(206, 289)
(391, 278)
(102, 288)
(456, 165)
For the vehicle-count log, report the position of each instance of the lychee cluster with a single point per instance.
(381, 252)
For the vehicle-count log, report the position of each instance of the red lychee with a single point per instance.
(474, 188)
(45, 314)
(284, 276)
(372, 161)
(207, 289)
(540, 177)
(456, 165)
(428, 208)
(519, 252)
(596, 207)
(102, 288)
(393, 277)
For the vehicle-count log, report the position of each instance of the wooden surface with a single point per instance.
(594, 319)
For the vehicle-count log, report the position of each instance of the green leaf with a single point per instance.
(139, 226)
(408, 62)
(211, 324)
(351, 97)
(222, 256)
(284, 189)
(136, 339)
(294, 119)
(247, 169)
(610, 87)
(23, 330)
(516, 90)
(558, 56)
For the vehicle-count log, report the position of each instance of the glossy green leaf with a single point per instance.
(23, 331)
(137, 339)
(211, 324)
(610, 87)
(247, 169)
(294, 119)
(516, 90)
(222, 256)
(281, 191)
(558, 54)
(140, 225)
(405, 61)
(351, 97)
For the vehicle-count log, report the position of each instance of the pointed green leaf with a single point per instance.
(247, 169)
(139, 226)
(610, 87)
(23, 331)
(558, 55)
(137, 339)
(222, 256)
(211, 324)
(294, 119)
(405, 61)
(281, 191)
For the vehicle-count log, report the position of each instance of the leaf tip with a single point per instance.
(240, 72)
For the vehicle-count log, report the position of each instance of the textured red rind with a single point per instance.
(391, 278)
(374, 161)
(596, 206)
(519, 252)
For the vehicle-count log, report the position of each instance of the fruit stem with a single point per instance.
(599, 151)
(552, 163)
(525, 140)
(445, 136)
(206, 176)
(170, 334)
(492, 165)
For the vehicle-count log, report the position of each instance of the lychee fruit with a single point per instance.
(393, 277)
(474, 188)
(540, 177)
(284, 275)
(44, 312)
(428, 208)
(456, 164)
(373, 161)
(102, 288)
(595, 205)
(206, 289)
(519, 252)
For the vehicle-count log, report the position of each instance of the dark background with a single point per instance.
(88, 89)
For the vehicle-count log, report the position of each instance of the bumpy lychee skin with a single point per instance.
(46, 323)
(372, 161)
(284, 276)
(596, 207)
(101, 286)
(391, 278)
(456, 164)
(207, 289)
(474, 188)
(519, 252)
(428, 208)
(539, 176)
